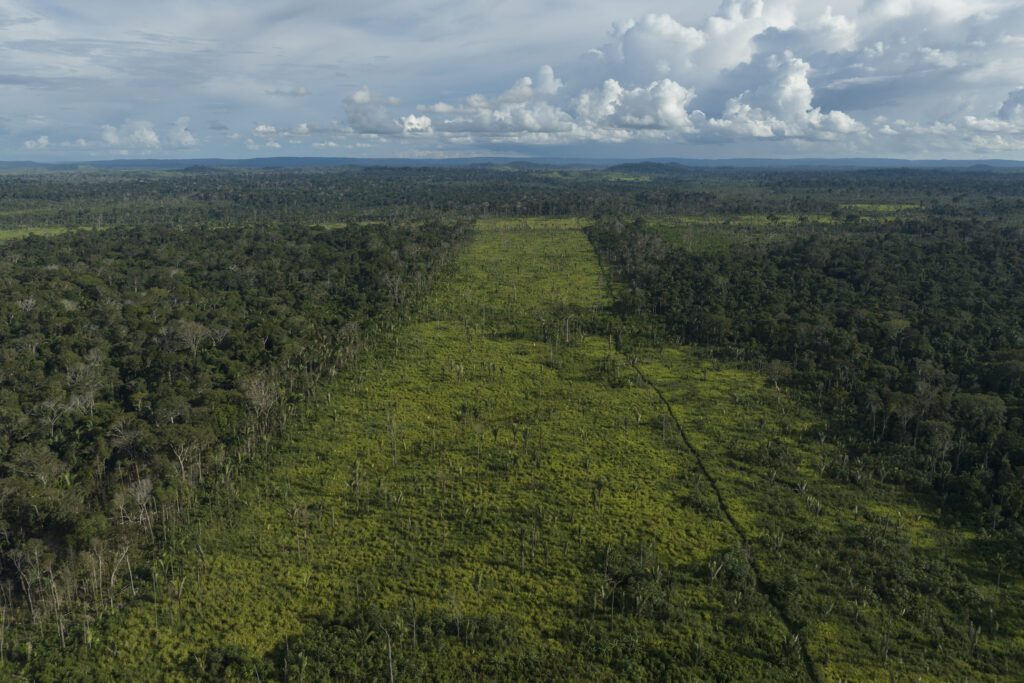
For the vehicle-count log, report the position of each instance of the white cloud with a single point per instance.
(657, 45)
(1008, 121)
(734, 72)
(519, 93)
(289, 92)
(416, 125)
(546, 84)
(521, 114)
(1013, 107)
(130, 135)
(782, 106)
(361, 96)
(180, 136)
(367, 115)
(659, 106)
(41, 142)
(946, 60)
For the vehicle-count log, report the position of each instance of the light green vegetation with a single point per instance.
(704, 234)
(499, 464)
(708, 234)
(880, 208)
(45, 231)
(869, 574)
(585, 174)
(624, 177)
(336, 225)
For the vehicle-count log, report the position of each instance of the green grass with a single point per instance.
(880, 208)
(702, 234)
(625, 177)
(716, 233)
(44, 231)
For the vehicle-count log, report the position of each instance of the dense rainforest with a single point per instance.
(206, 196)
(143, 369)
(911, 336)
(644, 422)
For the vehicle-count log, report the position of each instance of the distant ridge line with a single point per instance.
(663, 163)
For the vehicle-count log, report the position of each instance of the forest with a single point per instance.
(910, 339)
(645, 422)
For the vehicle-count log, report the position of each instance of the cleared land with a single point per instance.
(499, 492)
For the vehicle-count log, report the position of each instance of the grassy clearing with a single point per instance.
(710, 234)
(498, 472)
(879, 585)
(7, 234)
(700, 234)
(44, 231)
(880, 208)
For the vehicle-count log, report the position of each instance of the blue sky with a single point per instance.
(440, 78)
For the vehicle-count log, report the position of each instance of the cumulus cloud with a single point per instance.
(416, 125)
(1009, 120)
(41, 142)
(663, 79)
(368, 115)
(546, 84)
(863, 76)
(130, 135)
(521, 113)
(1013, 107)
(300, 130)
(180, 136)
(782, 106)
(659, 45)
(617, 111)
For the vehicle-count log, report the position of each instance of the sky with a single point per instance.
(916, 79)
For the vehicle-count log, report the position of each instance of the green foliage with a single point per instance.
(141, 370)
(909, 337)
(488, 474)
(494, 489)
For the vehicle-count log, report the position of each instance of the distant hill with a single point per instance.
(632, 166)
(673, 166)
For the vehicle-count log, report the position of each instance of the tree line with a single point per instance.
(142, 370)
(909, 333)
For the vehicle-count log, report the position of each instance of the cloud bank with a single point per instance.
(916, 78)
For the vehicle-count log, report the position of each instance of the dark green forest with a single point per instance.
(647, 422)
(910, 337)
(144, 369)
